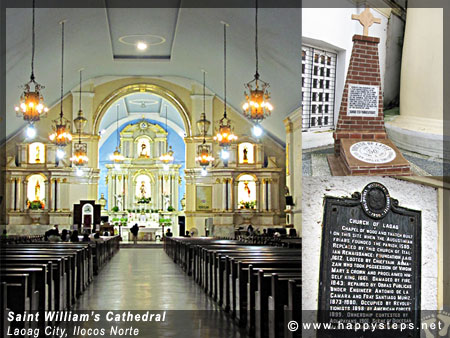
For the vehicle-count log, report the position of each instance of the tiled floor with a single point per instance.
(147, 279)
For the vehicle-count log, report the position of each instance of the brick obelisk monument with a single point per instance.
(361, 144)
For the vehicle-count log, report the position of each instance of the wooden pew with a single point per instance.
(18, 287)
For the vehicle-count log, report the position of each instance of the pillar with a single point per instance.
(24, 195)
(269, 194)
(19, 193)
(48, 195)
(420, 126)
(58, 194)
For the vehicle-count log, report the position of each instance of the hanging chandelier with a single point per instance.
(32, 107)
(116, 156)
(167, 157)
(257, 106)
(79, 158)
(61, 135)
(204, 158)
(225, 135)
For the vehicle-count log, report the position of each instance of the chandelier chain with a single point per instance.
(32, 42)
(225, 67)
(79, 99)
(204, 110)
(117, 127)
(256, 36)
(62, 69)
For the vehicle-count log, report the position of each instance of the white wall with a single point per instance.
(410, 195)
(333, 29)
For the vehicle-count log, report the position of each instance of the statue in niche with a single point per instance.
(38, 152)
(245, 158)
(142, 189)
(166, 202)
(144, 152)
(247, 188)
(37, 191)
(119, 199)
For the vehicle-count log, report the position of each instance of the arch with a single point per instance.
(143, 172)
(143, 87)
(35, 173)
(243, 174)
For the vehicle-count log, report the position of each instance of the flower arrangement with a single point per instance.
(115, 209)
(247, 204)
(35, 205)
(165, 222)
(170, 208)
(144, 200)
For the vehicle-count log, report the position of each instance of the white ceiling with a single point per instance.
(194, 41)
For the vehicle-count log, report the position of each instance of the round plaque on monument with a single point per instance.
(375, 200)
(372, 152)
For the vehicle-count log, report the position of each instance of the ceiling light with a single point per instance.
(31, 132)
(61, 135)
(257, 131)
(225, 135)
(60, 154)
(204, 157)
(224, 154)
(32, 106)
(80, 157)
(167, 157)
(141, 45)
(117, 157)
(257, 106)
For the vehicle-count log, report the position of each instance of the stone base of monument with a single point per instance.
(366, 158)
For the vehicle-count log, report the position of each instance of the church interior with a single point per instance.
(134, 138)
(149, 113)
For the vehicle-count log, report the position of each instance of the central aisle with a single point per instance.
(147, 279)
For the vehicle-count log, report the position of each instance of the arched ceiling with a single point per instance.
(193, 40)
(141, 105)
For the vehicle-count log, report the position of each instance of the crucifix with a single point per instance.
(366, 19)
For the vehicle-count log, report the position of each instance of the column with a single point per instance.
(224, 195)
(259, 200)
(11, 192)
(263, 204)
(125, 192)
(421, 123)
(48, 194)
(269, 195)
(171, 189)
(19, 193)
(58, 194)
(24, 195)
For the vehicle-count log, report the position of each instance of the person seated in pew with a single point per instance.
(105, 233)
(187, 234)
(249, 230)
(64, 235)
(53, 236)
(86, 238)
(97, 237)
(74, 237)
(56, 228)
(264, 233)
(169, 233)
(4, 234)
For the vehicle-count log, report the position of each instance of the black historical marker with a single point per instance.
(370, 266)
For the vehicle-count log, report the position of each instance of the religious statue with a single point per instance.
(247, 188)
(37, 191)
(119, 201)
(142, 188)
(245, 159)
(143, 150)
(38, 151)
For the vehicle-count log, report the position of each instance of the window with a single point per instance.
(318, 83)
